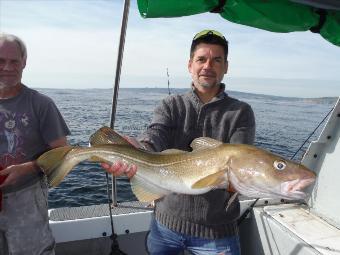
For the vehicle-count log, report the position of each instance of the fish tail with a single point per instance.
(50, 162)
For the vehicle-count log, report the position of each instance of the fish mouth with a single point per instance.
(293, 189)
(289, 190)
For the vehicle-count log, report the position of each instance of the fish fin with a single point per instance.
(211, 180)
(50, 161)
(204, 143)
(143, 193)
(106, 135)
(223, 185)
(54, 178)
(173, 151)
(231, 200)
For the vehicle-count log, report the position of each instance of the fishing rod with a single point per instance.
(167, 73)
(0, 16)
(117, 80)
(115, 247)
(248, 210)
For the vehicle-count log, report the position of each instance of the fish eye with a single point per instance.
(279, 165)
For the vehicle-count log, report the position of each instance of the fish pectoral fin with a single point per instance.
(144, 192)
(201, 143)
(106, 135)
(211, 180)
(173, 151)
(51, 159)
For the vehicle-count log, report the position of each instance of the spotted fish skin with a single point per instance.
(211, 164)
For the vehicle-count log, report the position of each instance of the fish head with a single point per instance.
(259, 173)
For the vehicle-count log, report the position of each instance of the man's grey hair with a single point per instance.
(14, 38)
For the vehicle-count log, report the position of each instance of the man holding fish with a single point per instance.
(193, 153)
(30, 124)
(197, 223)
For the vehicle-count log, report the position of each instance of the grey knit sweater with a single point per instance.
(177, 121)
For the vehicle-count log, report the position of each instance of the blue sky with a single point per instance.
(73, 44)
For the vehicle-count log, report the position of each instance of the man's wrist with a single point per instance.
(33, 167)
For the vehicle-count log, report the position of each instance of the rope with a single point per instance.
(247, 211)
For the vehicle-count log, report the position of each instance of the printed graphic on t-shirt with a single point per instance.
(12, 126)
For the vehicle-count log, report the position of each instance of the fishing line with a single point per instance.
(312, 132)
(114, 246)
(247, 211)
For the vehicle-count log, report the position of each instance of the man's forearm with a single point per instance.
(31, 167)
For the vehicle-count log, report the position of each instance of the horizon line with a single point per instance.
(162, 88)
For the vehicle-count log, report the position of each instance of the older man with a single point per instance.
(197, 223)
(30, 124)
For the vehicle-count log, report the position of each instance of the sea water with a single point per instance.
(282, 125)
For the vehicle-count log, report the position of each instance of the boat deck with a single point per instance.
(293, 229)
(92, 211)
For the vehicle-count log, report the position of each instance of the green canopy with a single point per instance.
(273, 15)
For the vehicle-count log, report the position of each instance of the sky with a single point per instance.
(74, 44)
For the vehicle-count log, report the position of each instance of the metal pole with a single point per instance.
(116, 86)
(167, 73)
(0, 16)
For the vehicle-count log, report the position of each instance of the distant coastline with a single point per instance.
(319, 100)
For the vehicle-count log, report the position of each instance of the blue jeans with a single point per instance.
(163, 241)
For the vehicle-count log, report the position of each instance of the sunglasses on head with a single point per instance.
(205, 33)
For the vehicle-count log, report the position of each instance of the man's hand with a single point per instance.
(15, 172)
(119, 168)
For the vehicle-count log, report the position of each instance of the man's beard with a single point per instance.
(2, 85)
(207, 85)
(8, 85)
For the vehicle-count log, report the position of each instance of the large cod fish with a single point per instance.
(211, 164)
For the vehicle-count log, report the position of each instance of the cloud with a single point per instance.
(73, 44)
